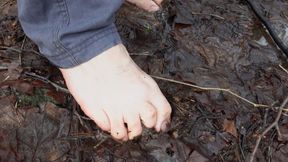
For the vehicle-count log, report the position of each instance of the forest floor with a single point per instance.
(221, 71)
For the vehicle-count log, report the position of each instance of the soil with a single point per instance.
(212, 44)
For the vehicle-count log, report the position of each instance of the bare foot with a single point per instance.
(148, 5)
(112, 90)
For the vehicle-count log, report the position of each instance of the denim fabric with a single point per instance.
(70, 32)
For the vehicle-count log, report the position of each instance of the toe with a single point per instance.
(163, 109)
(101, 119)
(148, 115)
(118, 129)
(158, 2)
(148, 5)
(97, 115)
(134, 125)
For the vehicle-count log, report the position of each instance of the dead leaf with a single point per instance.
(229, 126)
(33, 134)
(24, 87)
(197, 157)
(9, 117)
(40, 133)
(12, 73)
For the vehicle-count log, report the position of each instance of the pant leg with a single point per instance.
(70, 32)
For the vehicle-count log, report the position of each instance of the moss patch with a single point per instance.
(39, 96)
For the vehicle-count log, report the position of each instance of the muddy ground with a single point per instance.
(220, 46)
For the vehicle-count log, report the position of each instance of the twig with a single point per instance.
(241, 150)
(213, 15)
(3, 68)
(56, 86)
(285, 16)
(5, 79)
(5, 3)
(81, 117)
(283, 68)
(213, 89)
(274, 124)
(22, 47)
(100, 142)
(10, 48)
(141, 54)
(19, 50)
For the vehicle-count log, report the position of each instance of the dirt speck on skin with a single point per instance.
(216, 44)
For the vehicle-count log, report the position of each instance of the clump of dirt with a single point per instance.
(226, 88)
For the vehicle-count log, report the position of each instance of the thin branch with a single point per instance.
(18, 50)
(141, 54)
(22, 47)
(3, 68)
(274, 124)
(10, 48)
(5, 3)
(213, 15)
(283, 68)
(80, 116)
(56, 86)
(100, 142)
(213, 89)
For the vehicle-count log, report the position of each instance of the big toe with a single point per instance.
(148, 5)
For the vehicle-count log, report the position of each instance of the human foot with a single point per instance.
(148, 5)
(112, 90)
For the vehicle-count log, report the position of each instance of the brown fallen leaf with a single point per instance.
(9, 117)
(12, 73)
(229, 127)
(197, 157)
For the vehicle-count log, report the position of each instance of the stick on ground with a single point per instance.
(274, 124)
(56, 86)
(213, 89)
